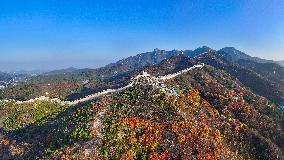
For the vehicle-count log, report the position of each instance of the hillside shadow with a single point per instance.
(36, 135)
(115, 82)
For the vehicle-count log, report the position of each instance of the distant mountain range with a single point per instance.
(61, 71)
(5, 76)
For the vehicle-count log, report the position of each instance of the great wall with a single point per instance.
(104, 92)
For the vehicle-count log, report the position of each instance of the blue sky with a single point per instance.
(50, 34)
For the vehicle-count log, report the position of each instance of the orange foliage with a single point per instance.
(5, 142)
(156, 156)
(217, 136)
(127, 155)
(153, 131)
(205, 131)
(195, 132)
(181, 138)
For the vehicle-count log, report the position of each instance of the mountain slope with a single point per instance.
(281, 63)
(265, 79)
(197, 51)
(260, 107)
(231, 98)
(169, 66)
(232, 54)
(145, 59)
(271, 71)
(261, 85)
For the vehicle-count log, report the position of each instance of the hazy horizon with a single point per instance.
(89, 34)
(84, 66)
